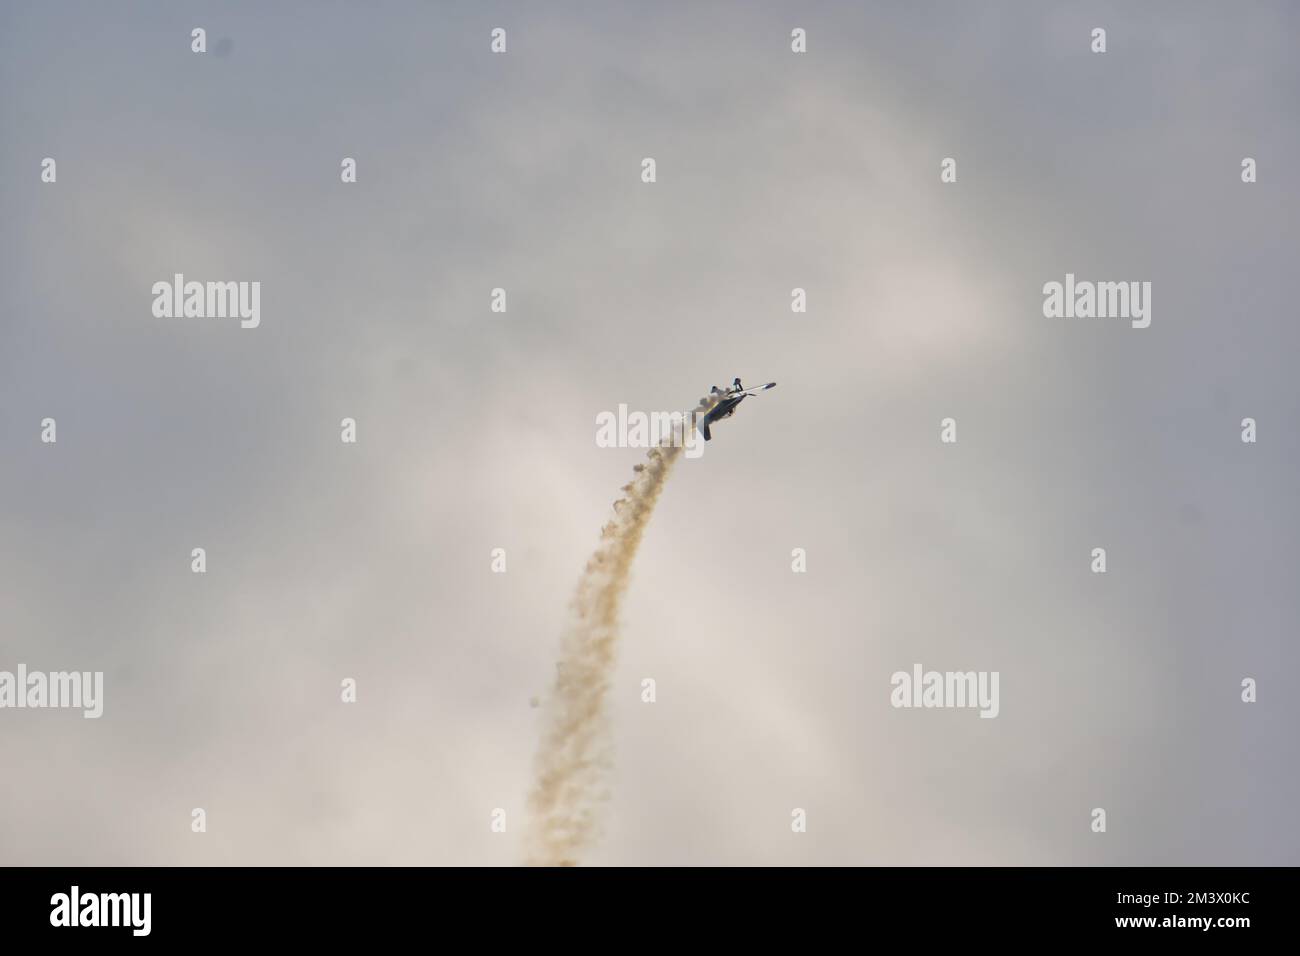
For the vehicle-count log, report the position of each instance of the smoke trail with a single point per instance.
(575, 745)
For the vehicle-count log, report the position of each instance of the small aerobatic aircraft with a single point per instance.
(726, 407)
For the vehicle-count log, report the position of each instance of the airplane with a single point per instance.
(726, 407)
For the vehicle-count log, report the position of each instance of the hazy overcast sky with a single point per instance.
(476, 429)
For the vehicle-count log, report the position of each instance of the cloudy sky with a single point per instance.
(775, 170)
